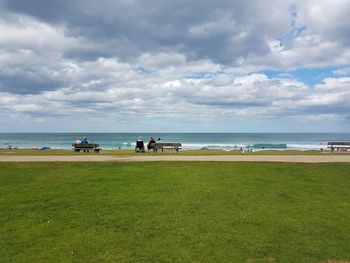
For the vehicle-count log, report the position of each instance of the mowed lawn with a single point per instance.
(174, 212)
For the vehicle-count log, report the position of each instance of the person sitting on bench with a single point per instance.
(140, 147)
(149, 145)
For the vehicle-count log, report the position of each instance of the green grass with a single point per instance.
(174, 212)
(166, 152)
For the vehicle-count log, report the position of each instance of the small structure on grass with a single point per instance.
(166, 145)
(87, 147)
(339, 146)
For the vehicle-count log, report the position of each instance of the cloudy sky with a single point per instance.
(175, 66)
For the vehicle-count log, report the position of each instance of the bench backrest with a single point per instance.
(165, 144)
(87, 145)
(339, 143)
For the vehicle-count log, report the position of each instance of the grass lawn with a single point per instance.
(174, 212)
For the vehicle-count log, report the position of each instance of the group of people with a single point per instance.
(83, 140)
(140, 146)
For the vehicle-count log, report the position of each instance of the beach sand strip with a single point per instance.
(214, 158)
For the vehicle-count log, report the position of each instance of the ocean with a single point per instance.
(224, 141)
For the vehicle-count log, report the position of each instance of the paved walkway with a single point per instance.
(220, 158)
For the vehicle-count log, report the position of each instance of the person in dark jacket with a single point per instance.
(140, 147)
(149, 145)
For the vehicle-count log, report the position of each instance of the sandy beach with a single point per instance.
(216, 158)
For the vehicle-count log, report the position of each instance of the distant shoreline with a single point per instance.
(189, 141)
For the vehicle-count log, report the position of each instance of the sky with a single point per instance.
(174, 66)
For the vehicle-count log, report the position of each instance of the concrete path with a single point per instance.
(217, 158)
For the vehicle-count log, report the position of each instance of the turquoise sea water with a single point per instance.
(226, 141)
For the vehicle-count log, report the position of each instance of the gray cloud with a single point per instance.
(172, 59)
(240, 33)
(24, 85)
(222, 32)
(226, 32)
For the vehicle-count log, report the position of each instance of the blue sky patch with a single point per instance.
(310, 77)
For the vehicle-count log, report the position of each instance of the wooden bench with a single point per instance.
(77, 147)
(339, 146)
(165, 145)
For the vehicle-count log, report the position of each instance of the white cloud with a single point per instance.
(342, 71)
(23, 33)
(174, 65)
(108, 87)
